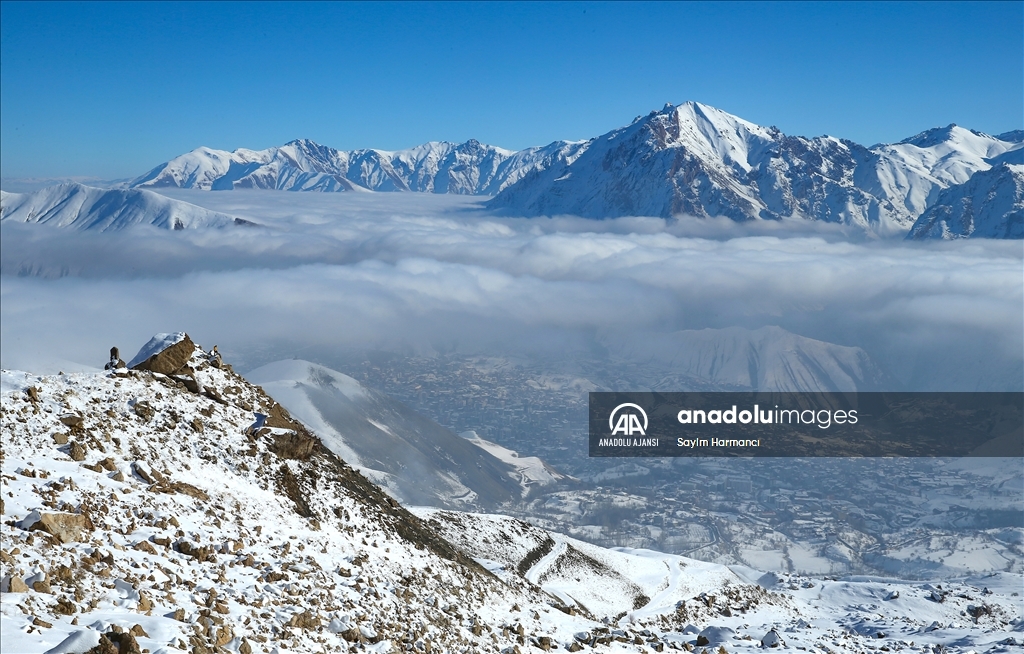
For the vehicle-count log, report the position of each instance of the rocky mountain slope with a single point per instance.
(176, 507)
(990, 204)
(75, 206)
(414, 458)
(185, 510)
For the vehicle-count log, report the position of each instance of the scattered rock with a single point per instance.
(279, 418)
(138, 631)
(77, 451)
(72, 420)
(144, 410)
(65, 606)
(189, 381)
(114, 642)
(305, 620)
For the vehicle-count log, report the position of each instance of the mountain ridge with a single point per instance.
(81, 207)
(688, 159)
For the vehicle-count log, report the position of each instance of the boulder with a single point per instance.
(225, 634)
(305, 620)
(167, 354)
(17, 586)
(714, 636)
(772, 639)
(65, 527)
(72, 420)
(77, 452)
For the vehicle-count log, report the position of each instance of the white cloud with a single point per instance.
(390, 270)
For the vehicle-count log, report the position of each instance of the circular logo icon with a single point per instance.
(627, 423)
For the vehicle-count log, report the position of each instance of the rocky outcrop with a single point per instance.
(171, 355)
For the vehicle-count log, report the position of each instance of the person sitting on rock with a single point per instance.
(115, 360)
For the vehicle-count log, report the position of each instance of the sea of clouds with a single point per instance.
(419, 272)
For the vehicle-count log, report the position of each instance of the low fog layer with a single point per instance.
(422, 273)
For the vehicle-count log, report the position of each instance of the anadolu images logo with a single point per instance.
(628, 424)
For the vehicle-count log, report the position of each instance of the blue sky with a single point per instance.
(113, 89)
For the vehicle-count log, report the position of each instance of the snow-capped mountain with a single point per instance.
(414, 458)
(688, 159)
(469, 168)
(185, 510)
(916, 169)
(81, 207)
(990, 204)
(696, 160)
(769, 359)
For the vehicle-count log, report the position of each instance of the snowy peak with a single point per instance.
(953, 138)
(697, 160)
(75, 206)
(720, 134)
